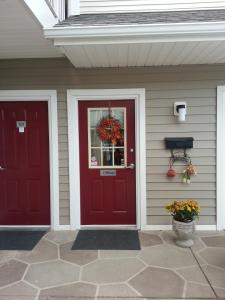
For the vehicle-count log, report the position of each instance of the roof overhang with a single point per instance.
(144, 34)
(131, 33)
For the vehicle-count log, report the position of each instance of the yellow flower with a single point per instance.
(190, 208)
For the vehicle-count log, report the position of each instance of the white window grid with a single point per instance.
(102, 147)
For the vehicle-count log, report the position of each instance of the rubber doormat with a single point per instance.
(20, 240)
(107, 240)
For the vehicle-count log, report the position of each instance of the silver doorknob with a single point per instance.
(2, 169)
(131, 166)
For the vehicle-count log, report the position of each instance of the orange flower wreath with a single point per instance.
(109, 129)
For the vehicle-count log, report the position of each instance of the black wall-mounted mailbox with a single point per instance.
(179, 143)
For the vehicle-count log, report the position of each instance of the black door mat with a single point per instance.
(107, 240)
(20, 239)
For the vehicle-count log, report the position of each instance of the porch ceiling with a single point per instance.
(127, 45)
(145, 54)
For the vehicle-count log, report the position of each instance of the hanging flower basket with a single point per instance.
(109, 130)
(189, 171)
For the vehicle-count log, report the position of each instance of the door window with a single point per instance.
(103, 153)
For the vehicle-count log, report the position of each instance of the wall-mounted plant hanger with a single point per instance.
(179, 156)
(180, 145)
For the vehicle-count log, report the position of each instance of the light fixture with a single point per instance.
(180, 110)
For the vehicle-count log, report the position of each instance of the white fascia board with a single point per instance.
(42, 12)
(171, 32)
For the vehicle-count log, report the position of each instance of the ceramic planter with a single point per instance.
(184, 232)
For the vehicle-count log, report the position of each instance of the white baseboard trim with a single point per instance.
(146, 227)
(169, 227)
(62, 227)
(206, 227)
(5, 227)
(35, 227)
(68, 227)
(102, 227)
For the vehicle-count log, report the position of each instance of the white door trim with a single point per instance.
(220, 157)
(73, 96)
(51, 97)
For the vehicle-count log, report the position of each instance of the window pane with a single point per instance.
(105, 112)
(119, 115)
(95, 141)
(119, 157)
(106, 144)
(95, 157)
(95, 116)
(107, 158)
(120, 143)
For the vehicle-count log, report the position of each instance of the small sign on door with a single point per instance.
(21, 125)
(107, 172)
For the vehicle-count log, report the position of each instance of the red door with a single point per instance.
(108, 188)
(24, 164)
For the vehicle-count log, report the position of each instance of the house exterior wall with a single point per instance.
(164, 85)
(114, 6)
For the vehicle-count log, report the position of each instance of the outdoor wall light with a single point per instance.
(180, 110)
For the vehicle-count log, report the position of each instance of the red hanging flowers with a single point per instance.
(189, 171)
(109, 129)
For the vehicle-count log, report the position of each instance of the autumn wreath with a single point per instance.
(109, 129)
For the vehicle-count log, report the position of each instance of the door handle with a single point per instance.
(131, 166)
(2, 169)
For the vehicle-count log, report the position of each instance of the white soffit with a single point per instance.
(142, 45)
(155, 54)
(21, 35)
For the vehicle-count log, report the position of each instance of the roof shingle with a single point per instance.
(144, 18)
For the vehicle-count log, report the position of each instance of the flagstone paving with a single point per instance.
(211, 256)
(160, 270)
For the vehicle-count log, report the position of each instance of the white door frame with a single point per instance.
(73, 96)
(220, 157)
(51, 97)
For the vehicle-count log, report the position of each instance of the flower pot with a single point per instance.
(184, 232)
(171, 173)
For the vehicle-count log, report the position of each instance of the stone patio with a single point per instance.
(159, 270)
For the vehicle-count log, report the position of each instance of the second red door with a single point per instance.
(24, 164)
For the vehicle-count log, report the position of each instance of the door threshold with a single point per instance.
(110, 227)
(24, 227)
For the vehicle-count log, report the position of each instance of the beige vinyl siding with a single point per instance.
(115, 6)
(164, 85)
(201, 124)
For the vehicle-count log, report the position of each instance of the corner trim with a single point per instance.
(73, 96)
(220, 163)
(51, 97)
